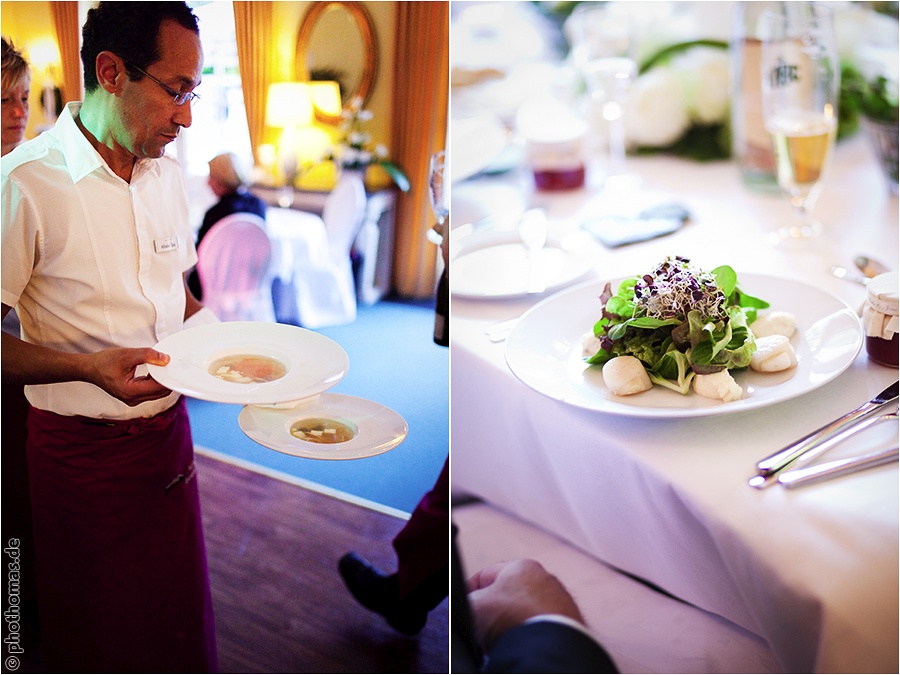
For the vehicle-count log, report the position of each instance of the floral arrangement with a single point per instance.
(693, 78)
(680, 102)
(354, 150)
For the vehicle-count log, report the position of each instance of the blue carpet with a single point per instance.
(393, 361)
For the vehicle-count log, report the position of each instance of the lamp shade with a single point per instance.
(326, 97)
(289, 104)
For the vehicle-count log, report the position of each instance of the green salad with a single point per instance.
(679, 321)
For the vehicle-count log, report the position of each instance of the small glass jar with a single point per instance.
(880, 319)
(554, 144)
(556, 166)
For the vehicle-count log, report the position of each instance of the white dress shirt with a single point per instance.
(90, 261)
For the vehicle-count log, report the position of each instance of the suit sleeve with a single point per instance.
(547, 647)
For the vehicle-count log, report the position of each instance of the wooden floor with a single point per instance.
(281, 606)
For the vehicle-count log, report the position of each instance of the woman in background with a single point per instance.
(16, 85)
(228, 179)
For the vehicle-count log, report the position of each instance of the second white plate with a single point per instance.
(504, 270)
(377, 428)
(544, 352)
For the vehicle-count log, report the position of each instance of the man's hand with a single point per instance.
(113, 370)
(505, 595)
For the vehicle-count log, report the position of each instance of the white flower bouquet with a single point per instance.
(680, 102)
(354, 149)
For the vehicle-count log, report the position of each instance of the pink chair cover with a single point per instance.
(234, 265)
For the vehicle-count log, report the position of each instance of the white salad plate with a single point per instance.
(544, 351)
(378, 429)
(497, 266)
(312, 361)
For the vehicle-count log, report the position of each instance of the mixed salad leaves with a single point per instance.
(678, 321)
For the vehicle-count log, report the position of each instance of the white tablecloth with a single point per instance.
(814, 571)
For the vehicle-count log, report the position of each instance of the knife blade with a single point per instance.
(840, 467)
(771, 465)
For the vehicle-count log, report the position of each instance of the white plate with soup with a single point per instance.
(328, 426)
(250, 363)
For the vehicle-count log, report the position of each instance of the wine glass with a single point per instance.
(603, 51)
(800, 86)
(438, 197)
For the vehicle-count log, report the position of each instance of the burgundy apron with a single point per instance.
(423, 545)
(120, 558)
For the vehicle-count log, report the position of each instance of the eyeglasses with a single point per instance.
(180, 97)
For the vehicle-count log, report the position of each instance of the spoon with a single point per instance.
(844, 273)
(869, 267)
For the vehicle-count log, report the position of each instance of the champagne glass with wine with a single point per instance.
(436, 235)
(438, 197)
(800, 85)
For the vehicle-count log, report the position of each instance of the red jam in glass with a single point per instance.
(559, 179)
(880, 319)
(885, 352)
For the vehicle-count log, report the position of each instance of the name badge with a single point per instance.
(167, 244)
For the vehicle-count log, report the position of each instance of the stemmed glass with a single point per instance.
(603, 51)
(438, 197)
(800, 85)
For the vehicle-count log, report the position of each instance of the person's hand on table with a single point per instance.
(506, 595)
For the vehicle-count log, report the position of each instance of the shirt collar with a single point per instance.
(81, 157)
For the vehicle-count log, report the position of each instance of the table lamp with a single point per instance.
(289, 107)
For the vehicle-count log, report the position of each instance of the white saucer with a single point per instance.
(496, 265)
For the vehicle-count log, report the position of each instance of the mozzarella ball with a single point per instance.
(719, 385)
(625, 375)
(773, 353)
(774, 323)
(590, 345)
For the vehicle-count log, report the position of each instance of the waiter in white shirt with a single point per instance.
(95, 244)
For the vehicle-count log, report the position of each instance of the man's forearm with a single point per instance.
(26, 363)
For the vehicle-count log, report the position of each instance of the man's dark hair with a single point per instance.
(130, 30)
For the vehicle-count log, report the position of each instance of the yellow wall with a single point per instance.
(27, 24)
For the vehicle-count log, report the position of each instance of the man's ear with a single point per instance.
(110, 71)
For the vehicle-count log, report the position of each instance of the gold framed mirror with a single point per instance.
(309, 58)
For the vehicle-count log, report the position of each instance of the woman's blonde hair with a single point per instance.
(14, 67)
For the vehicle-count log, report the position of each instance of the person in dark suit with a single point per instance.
(515, 617)
(422, 579)
(228, 179)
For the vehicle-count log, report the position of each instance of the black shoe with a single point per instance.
(379, 592)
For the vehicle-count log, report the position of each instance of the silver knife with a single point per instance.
(768, 467)
(840, 467)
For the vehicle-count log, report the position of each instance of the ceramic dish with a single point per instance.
(312, 362)
(544, 351)
(375, 429)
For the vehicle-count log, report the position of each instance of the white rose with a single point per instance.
(655, 113)
(706, 77)
(350, 156)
